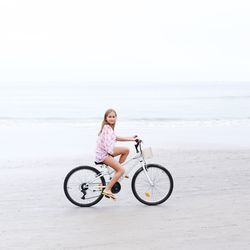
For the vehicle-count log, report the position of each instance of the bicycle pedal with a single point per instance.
(126, 176)
(113, 198)
(110, 197)
(147, 194)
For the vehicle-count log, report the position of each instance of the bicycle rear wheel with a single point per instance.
(154, 194)
(83, 186)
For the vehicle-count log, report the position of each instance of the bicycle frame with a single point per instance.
(138, 160)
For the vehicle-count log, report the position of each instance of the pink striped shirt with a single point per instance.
(105, 143)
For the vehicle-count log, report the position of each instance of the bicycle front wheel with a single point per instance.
(157, 192)
(83, 186)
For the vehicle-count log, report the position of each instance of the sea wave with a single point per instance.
(97, 120)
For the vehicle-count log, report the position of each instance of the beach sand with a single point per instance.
(209, 207)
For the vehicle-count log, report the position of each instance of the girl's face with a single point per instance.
(111, 118)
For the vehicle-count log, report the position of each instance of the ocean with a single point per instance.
(133, 102)
(63, 120)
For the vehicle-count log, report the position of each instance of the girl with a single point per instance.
(106, 150)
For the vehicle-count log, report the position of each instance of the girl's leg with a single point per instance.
(123, 151)
(117, 167)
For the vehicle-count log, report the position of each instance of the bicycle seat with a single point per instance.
(99, 163)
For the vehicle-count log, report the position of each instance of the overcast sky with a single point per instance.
(124, 41)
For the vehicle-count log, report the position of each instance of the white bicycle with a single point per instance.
(152, 184)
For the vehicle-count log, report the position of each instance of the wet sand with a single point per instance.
(209, 207)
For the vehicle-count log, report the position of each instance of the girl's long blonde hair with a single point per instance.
(104, 122)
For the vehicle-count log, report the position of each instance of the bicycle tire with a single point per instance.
(66, 183)
(140, 197)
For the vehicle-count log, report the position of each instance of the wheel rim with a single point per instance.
(160, 190)
(83, 187)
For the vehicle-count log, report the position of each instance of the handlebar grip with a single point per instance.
(138, 141)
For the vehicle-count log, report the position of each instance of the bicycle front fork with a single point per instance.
(146, 173)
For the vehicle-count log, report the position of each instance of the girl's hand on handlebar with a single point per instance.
(136, 138)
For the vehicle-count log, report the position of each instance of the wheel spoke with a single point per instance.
(81, 186)
(156, 193)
